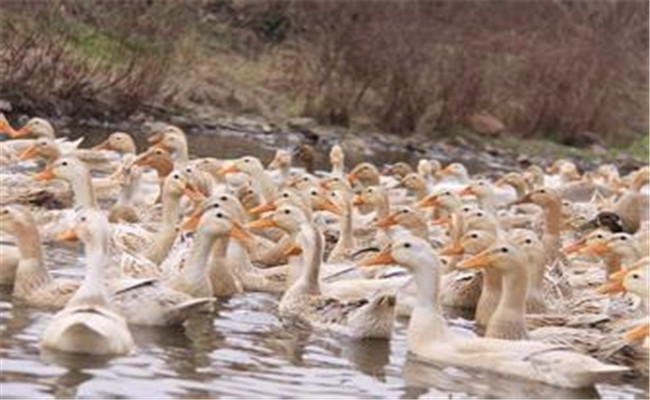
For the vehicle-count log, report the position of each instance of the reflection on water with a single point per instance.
(241, 350)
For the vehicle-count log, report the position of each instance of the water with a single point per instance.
(243, 350)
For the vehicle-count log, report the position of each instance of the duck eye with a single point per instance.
(407, 245)
(285, 195)
(405, 211)
(305, 179)
(474, 236)
(623, 238)
(219, 215)
(287, 212)
(528, 241)
(215, 205)
(176, 176)
(159, 152)
(83, 219)
(504, 249)
(635, 276)
(246, 160)
(65, 163)
(542, 191)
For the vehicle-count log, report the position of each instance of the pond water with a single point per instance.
(243, 349)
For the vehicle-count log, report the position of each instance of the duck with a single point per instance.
(281, 162)
(173, 140)
(618, 249)
(33, 284)
(551, 204)
(430, 340)
(303, 301)
(262, 181)
(337, 159)
(364, 174)
(87, 324)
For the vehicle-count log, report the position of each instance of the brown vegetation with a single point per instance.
(562, 69)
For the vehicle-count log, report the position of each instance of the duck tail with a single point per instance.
(178, 314)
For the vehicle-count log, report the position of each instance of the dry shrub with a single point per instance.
(88, 57)
(544, 68)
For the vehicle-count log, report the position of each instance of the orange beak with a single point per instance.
(428, 202)
(192, 222)
(387, 222)
(263, 208)
(24, 131)
(160, 145)
(231, 169)
(263, 223)
(500, 183)
(523, 200)
(574, 247)
(327, 205)
(611, 287)
(637, 334)
(478, 261)
(28, 153)
(444, 171)
(239, 233)
(105, 145)
(68, 235)
(383, 258)
(193, 193)
(358, 200)
(352, 177)
(619, 275)
(452, 250)
(440, 221)
(155, 138)
(5, 127)
(596, 249)
(45, 175)
(292, 250)
(468, 191)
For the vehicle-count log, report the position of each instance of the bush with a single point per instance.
(543, 68)
(88, 57)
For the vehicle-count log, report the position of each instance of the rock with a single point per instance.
(301, 124)
(5, 106)
(598, 149)
(486, 124)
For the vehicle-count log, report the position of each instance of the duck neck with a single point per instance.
(264, 184)
(421, 192)
(338, 169)
(346, 238)
(196, 269)
(612, 263)
(163, 166)
(313, 255)
(520, 187)
(427, 322)
(383, 206)
(83, 191)
(92, 290)
(165, 237)
(31, 271)
(511, 310)
(487, 203)
(553, 216)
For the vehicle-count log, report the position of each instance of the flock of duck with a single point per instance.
(553, 264)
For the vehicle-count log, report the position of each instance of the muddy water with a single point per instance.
(243, 350)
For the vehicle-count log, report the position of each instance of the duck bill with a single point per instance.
(24, 131)
(478, 261)
(193, 193)
(105, 145)
(239, 233)
(6, 128)
(327, 205)
(68, 236)
(383, 258)
(637, 334)
(358, 201)
(264, 223)
(596, 249)
(266, 207)
(619, 275)
(428, 202)
(292, 250)
(387, 222)
(452, 250)
(440, 221)
(611, 287)
(46, 175)
(192, 222)
(143, 160)
(574, 247)
(468, 191)
(444, 172)
(231, 169)
(155, 138)
(161, 146)
(352, 178)
(28, 153)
